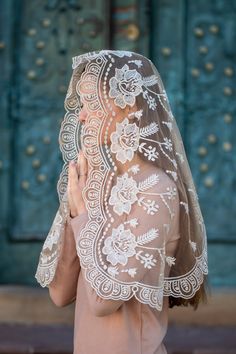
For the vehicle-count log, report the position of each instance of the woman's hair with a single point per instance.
(149, 116)
(201, 296)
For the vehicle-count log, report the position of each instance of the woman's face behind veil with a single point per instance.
(119, 115)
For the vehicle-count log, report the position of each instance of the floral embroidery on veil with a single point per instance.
(114, 252)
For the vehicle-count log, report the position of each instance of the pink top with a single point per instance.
(107, 326)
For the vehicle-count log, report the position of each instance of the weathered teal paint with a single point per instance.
(40, 38)
(175, 35)
(193, 47)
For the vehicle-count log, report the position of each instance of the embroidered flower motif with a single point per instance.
(135, 169)
(193, 245)
(170, 260)
(132, 272)
(147, 260)
(168, 144)
(152, 207)
(125, 86)
(125, 140)
(151, 152)
(113, 271)
(123, 194)
(138, 114)
(133, 222)
(119, 246)
(137, 62)
(171, 192)
(150, 100)
(149, 205)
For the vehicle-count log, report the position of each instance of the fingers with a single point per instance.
(76, 183)
(73, 189)
(78, 163)
(82, 166)
(69, 177)
(78, 170)
(73, 176)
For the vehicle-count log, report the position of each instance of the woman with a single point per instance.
(128, 240)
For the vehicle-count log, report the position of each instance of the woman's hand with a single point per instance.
(77, 177)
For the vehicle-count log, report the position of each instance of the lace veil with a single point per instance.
(138, 179)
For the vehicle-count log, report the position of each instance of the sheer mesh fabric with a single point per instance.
(140, 195)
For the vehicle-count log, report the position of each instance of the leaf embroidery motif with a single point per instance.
(150, 205)
(170, 260)
(148, 182)
(131, 271)
(135, 169)
(149, 129)
(147, 260)
(148, 236)
(150, 80)
(193, 245)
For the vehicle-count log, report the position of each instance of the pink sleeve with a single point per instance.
(62, 289)
(98, 306)
(138, 266)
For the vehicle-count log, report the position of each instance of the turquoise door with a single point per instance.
(36, 48)
(192, 44)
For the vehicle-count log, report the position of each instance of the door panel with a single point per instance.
(211, 103)
(46, 40)
(191, 43)
(36, 50)
(193, 47)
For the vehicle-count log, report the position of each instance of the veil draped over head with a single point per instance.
(138, 177)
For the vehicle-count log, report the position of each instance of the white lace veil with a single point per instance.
(138, 176)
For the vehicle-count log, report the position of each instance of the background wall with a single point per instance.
(192, 43)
